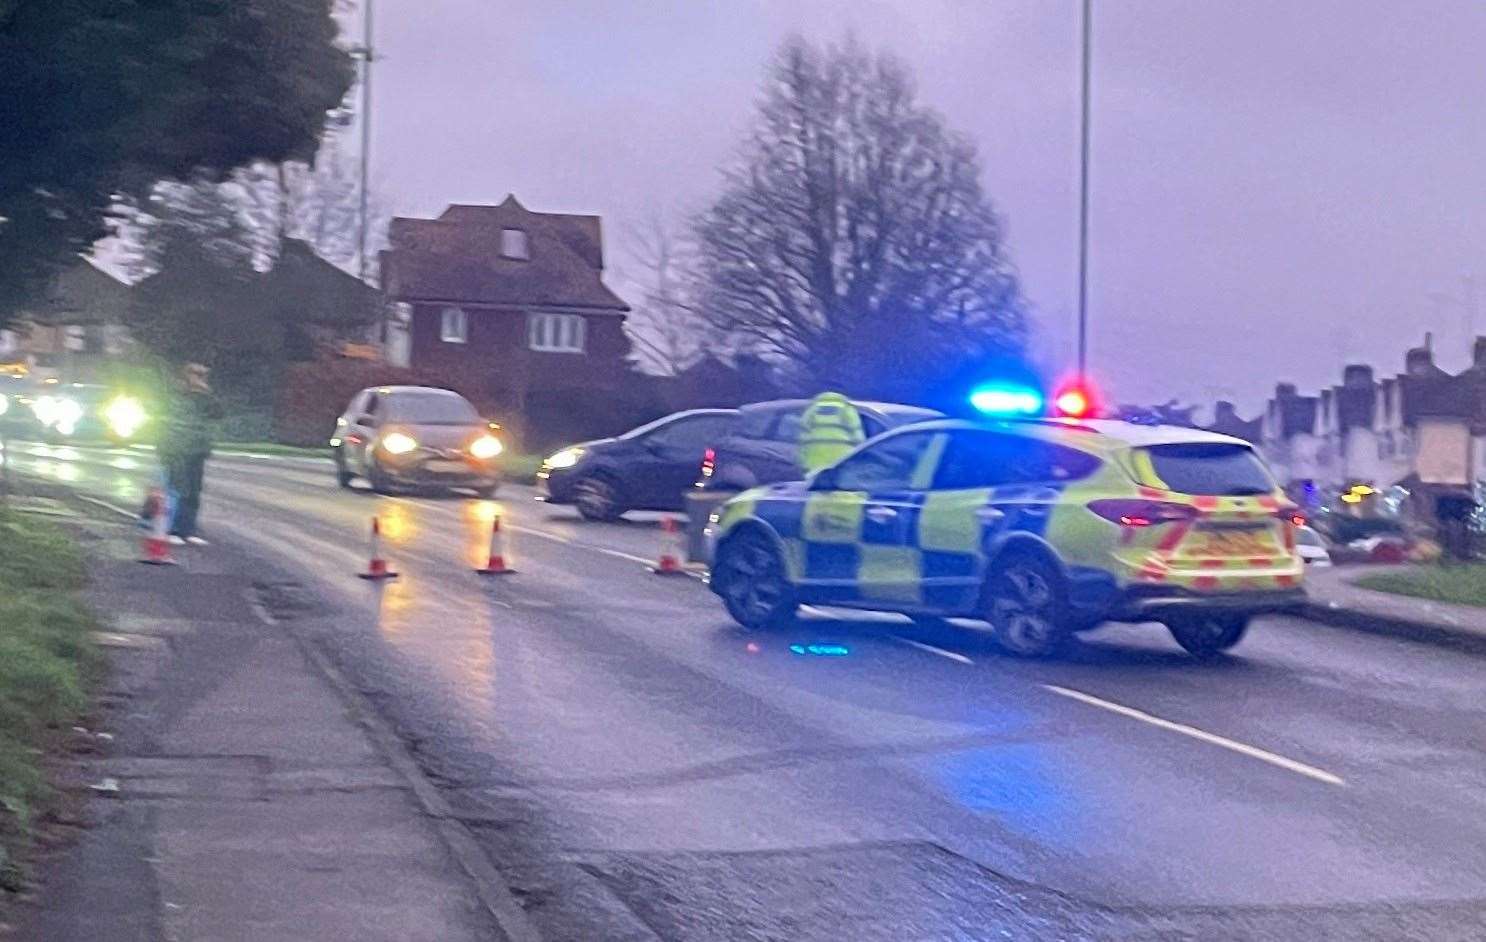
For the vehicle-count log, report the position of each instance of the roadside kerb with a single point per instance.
(490, 886)
(1334, 600)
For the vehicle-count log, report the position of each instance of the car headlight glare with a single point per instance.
(124, 415)
(398, 444)
(565, 458)
(486, 446)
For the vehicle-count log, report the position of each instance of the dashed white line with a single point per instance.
(1253, 752)
(565, 541)
(953, 656)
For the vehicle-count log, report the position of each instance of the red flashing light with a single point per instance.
(1073, 403)
(1075, 399)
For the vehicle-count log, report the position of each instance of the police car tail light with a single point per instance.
(709, 462)
(1141, 513)
(1291, 514)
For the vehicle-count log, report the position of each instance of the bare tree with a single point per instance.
(853, 244)
(317, 203)
(669, 334)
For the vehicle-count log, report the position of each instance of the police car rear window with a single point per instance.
(1210, 468)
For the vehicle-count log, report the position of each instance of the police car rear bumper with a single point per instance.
(1153, 602)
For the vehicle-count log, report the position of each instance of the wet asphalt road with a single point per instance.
(638, 767)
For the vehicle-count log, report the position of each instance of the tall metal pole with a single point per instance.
(1083, 206)
(366, 90)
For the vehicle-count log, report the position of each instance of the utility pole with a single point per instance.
(1083, 205)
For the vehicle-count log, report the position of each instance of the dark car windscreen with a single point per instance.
(432, 410)
(1210, 468)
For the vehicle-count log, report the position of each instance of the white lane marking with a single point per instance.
(565, 541)
(107, 506)
(953, 656)
(1253, 752)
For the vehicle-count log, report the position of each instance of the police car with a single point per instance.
(1040, 527)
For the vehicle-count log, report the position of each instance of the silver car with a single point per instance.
(416, 437)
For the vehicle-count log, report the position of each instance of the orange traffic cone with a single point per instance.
(668, 563)
(497, 564)
(376, 566)
(155, 546)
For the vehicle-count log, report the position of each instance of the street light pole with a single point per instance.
(1083, 205)
(366, 90)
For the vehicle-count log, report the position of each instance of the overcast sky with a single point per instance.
(1278, 185)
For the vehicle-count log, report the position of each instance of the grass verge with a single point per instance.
(519, 469)
(273, 448)
(1461, 585)
(522, 469)
(47, 665)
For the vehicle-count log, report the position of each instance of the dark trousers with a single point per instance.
(184, 474)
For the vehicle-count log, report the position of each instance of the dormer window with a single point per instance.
(513, 244)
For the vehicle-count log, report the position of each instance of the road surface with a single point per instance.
(637, 767)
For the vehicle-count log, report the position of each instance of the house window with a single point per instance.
(453, 325)
(556, 333)
(75, 338)
(513, 244)
(115, 339)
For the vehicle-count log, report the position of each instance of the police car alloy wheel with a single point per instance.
(1210, 633)
(750, 577)
(1023, 607)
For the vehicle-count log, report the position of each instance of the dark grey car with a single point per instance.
(416, 436)
(763, 446)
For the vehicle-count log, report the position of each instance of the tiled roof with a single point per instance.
(457, 258)
(83, 294)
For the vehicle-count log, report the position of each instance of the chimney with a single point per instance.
(1478, 353)
(1418, 362)
(1284, 391)
(1357, 375)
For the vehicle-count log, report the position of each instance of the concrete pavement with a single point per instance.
(246, 797)
(635, 767)
(1336, 599)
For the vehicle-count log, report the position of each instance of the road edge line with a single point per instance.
(1202, 735)
(490, 887)
(127, 514)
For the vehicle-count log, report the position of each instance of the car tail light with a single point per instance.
(1141, 513)
(1291, 513)
(709, 462)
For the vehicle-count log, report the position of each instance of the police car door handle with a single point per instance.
(989, 514)
(881, 514)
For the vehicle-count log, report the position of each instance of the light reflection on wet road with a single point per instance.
(624, 716)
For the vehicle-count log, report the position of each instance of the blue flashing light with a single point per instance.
(1001, 399)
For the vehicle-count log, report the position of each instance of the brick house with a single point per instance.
(74, 329)
(511, 306)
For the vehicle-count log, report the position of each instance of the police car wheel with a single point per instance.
(750, 577)
(1024, 609)
(1208, 634)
